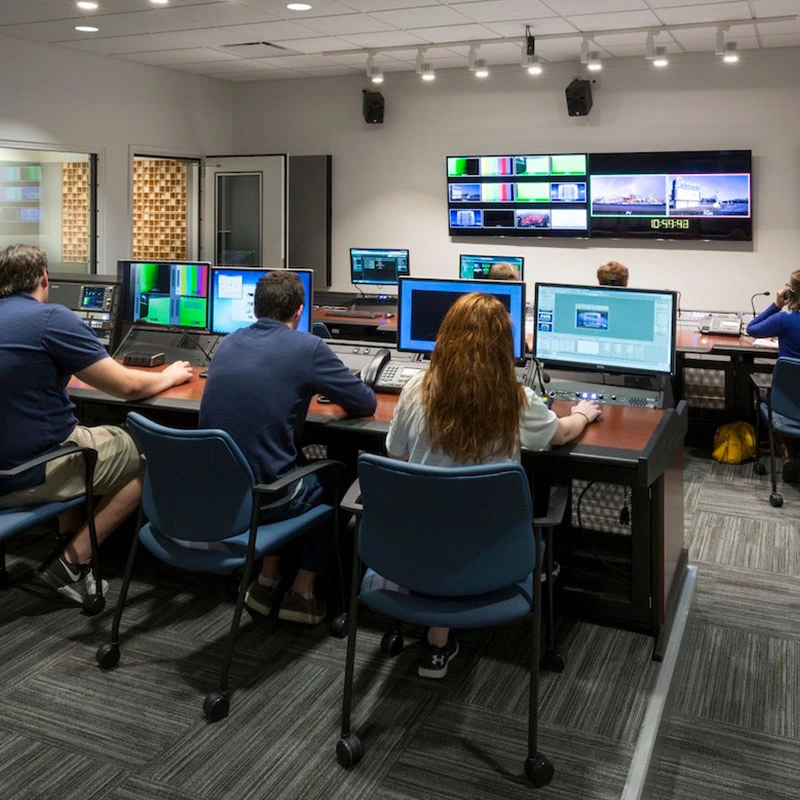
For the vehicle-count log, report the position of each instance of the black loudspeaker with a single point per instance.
(579, 98)
(373, 107)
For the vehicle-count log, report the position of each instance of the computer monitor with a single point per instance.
(604, 328)
(165, 293)
(479, 267)
(233, 291)
(424, 302)
(378, 267)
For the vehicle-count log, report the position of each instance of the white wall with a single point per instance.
(80, 101)
(389, 180)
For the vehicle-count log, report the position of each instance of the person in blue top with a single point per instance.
(41, 347)
(260, 383)
(786, 326)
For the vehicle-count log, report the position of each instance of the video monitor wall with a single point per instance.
(233, 292)
(165, 294)
(517, 195)
(682, 195)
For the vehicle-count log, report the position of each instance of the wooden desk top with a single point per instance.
(387, 323)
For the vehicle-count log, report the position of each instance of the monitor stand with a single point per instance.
(176, 345)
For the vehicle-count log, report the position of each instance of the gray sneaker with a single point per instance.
(296, 608)
(260, 598)
(71, 582)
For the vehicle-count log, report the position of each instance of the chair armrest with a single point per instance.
(556, 506)
(295, 475)
(63, 452)
(352, 500)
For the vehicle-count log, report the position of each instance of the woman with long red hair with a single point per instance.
(468, 408)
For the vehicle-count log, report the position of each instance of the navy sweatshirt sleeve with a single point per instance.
(768, 323)
(332, 378)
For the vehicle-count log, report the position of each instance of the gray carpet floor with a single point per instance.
(68, 730)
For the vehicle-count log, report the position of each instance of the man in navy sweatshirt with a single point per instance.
(259, 387)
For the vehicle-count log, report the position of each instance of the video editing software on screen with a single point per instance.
(480, 266)
(379, 267)
(169, 294)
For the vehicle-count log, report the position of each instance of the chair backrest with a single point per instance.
(785, 394)
(197, 486)
(320, 329)
(446, 532)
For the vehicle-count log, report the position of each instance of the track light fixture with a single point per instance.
(660, 57)
(584, 51)
(731, 53)
(534, 64)
(649, 49)
(424, 68)
(529, 60)
(477, 65)
(594, 63)
(374, 73)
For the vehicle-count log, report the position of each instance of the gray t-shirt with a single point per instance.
(409, 435)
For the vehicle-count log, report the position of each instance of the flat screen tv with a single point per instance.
(518, 195)
(378, 267)
(700, 194)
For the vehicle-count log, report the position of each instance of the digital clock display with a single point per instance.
(669, 224)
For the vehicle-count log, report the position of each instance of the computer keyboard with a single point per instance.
(335, 312)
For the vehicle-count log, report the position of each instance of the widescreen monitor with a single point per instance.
(424, 302)
(606, 329)
(163, 293)
(702, 194)
(379, 267)
(518, 195)
(233, 291)
(479, 267)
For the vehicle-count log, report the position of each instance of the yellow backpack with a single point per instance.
(734, 443)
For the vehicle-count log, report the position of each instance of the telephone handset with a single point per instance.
(372, 371)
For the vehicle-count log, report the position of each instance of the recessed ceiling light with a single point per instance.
(86, 28)
(298, 7)
(86, 5)
(159, 2)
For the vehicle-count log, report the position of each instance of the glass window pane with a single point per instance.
(238, 239)
(46, 200)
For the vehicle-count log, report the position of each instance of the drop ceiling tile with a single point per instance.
(261, 75)
(599, 22)
(319, 8)
(499, 10)
(323, 72)
(218, 67)
(782, 40)
(257, 50)
(227, 14)
(25, 11)
(431, 53)
(638, 49)
(778, 28)
(346, 24)
(774, 8)
(433, 16)
(658, 4)
(453, 33)
(695, 39)
(386, 5)
(705, 12)
(614, 39)
(383, 39)
(568, 8)
(116, 45)
(559, 49)
(213, 37)
(272, 31)
(300, 62)
(540, 27)
(320, 44)
(188, 56)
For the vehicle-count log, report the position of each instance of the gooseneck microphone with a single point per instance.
(757, 294)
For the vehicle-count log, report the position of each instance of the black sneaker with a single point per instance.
(296, 608)
(433, 660)
(260, 598)
(71, 582)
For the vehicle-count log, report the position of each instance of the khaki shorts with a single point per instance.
(118, 463)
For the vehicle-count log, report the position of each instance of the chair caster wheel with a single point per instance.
(107, 655)
(392, 643)
(340, 626)
(216, 706)
(553, 661)
(349, 750)
(776, 500)
(539, 770)
(93, 604)
(5, 580)
(759, 468)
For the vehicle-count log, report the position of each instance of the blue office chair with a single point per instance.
(781, 412)
(321, 329)
(459, 543)
(202, 503)
(21, 518)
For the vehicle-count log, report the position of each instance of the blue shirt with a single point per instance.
(260, 383)
(41, 346)
(786, 326)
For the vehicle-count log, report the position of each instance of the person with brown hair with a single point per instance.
(468, 408)
(786, 327)
(613, 274)
(503, 271)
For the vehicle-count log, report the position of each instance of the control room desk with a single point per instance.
(381, 328)
(639, 448)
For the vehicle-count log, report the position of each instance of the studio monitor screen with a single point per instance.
(379, 267)
(681, 195)
(518, 195)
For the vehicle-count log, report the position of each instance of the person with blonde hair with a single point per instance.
(786, 327)
(468, 408)
(613, 274)
(503, 271)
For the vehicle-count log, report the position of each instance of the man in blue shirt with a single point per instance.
(41, 346)
(259, 387)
